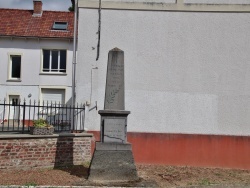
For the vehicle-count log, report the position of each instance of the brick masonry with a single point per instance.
(37, 151)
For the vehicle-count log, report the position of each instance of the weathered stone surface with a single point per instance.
(114, 130)
(113, 146)
(114, 112)
(108, 127)
(114, 93)
(113, 166)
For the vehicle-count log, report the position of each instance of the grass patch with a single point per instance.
(205, 182)
(29, 184)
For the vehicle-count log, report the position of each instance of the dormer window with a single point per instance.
(60, 26)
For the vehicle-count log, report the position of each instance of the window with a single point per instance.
(54, 61)
(60, 25)
(15, 67)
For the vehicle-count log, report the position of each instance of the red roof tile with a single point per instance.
(21, 23)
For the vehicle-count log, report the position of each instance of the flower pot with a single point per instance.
(41, 130)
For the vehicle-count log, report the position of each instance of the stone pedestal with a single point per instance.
(113, 163)
(113, 158)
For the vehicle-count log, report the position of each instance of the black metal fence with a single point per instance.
(19, 116)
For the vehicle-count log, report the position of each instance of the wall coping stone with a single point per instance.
(29, 136)
(163, 5)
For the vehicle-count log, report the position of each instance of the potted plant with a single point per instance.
(41, 127)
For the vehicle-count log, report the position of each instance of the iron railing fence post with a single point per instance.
(4, 106)
(24, 107)
(18, 114)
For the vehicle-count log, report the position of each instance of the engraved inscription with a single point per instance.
(114, 95)
(115, 81)
(114, 130)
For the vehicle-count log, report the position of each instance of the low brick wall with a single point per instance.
(31, 151)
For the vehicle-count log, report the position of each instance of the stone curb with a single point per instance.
(201, 186)
(216, 186)
(11, 186)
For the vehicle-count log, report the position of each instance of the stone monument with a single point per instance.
(113, 158)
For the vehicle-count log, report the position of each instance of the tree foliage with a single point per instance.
(72, 8)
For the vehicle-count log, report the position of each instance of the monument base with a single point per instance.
(112, 163)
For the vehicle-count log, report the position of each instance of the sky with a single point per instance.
(59, 5)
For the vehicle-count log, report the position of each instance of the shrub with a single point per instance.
(41, 123)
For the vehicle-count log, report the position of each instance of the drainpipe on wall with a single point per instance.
(74, 66)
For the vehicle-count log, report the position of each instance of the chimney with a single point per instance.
(38, 7)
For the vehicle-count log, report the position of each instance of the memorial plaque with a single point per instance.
(114, 93)
(114, 130)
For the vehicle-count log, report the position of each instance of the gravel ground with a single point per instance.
(161, 175)
(171, 176)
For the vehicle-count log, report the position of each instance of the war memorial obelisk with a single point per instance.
(113, 158)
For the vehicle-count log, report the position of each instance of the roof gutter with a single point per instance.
(38, 38)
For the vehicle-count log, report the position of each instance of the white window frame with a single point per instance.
(10, 55)
(57, 71)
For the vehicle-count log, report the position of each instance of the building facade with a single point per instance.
(36, 50)
(186, 76)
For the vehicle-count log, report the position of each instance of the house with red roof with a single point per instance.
(36, 49)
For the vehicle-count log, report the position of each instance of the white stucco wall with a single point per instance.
(31, 79)
(245, 2)
(185, 72)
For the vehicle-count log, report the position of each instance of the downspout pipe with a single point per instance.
(73, 101)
